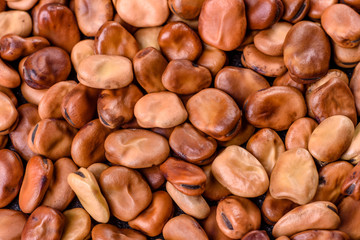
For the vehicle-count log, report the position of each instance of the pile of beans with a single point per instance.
(162, 133)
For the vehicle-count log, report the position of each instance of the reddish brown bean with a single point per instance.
(108, 231)
(12, 224)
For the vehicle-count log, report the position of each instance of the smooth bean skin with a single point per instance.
(352, 153)
(349, 215)
(152, 220)
(212, 58)
(191, 229)
(256, 234)
(299, 133)
(321, 235)
(153, 177)
(12, 223)
(97, 169)
(8, 114)
(77, 224)
(9, 77)
(317, 8)
(59, 193)
(58, 24)
(136, 148)
(351, 184)
(11, 174)
(85, 149)
(213, 189)
(108, 231)
(147, 37)
(15, 22)
(86, 188)
(211, 227)
(186, 9)
(223, 24)
(126, 192)
(276, 107)
(80, 51)
(28, 118)
(286, 80)
(38, 173)
(44, 223)
(237, 216)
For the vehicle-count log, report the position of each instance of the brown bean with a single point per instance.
(271, 41)
(317, 8)
(190, 229)
(355, 87)
(8, 114)
(212, 58)
(97, 169)
(213, 189)
(50, 103)
(126, 191)
(108, 231)
(294, 177)
(91, 15)
(286, 80)
(152, 220)
(239, 83)
(273, 209)
(9, 77)
(116, 107)
(114, 39)
(77, 224)
(44, 223)
(236, 216)
(11, 175)
(316, 215)
(352, 154)
(223, 24)
(79, 105)
(227, 169)
(295, 10)
(270, 66)
(193, 24)
(46, 67)
(12, 224)
(331, 180)
(186, 9)
(178, 41)
(149, 13)
(15, 22)
(87, 149)
(38, 174)
(275, 107)
(207, 107)
(355, 4)
(149, 66)
(58, 24)
(32, 95)
(303, 39)
(136, 148)
(185, 177)
(51, 138)
(263, 14)
(246, 131)
(28, 118)
(349, 215)
(299, 132)
(163, 114)
(153, 176)
(13, 46)
(211, 227)
(256, 235)
(321, 235)
(86, 188)
(8, 92)
(331, 138)
(346, 57)
(351, 184)
(59, 194)
(337, 20)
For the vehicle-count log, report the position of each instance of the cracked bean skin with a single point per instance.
(86, 188)
(38, 173)
(44, 223)
(276, 107)
(237, 216)
(11, 175)
(316, 215)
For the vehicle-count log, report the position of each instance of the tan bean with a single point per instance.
(59, 194)
(331, 138)
(352, 153)
(8, 114)
(213, 189)
(126, 191)
(12, 224)
(148, 37)
(178, 41)
(9, 77)
(193, 24)
(91, 15)
(149, 13)
(316, 215)
(235, 164)
(295, 10)
(237, 216)
(299, 132)
(82, 50)
(195, 206)
(8, 92)
(97, 169)
(275, 107)
(321, 235)
(44, 223)
(32, 95)
(11, 175)
(58, 24)
(163, 114)
(346, 57)
(190, 229)
(51, 138)
(38, 174)
(21, 4)
(152, 220)
(108, 231)
(15, 22)
(77, 224)
(223, 25)
(286, 80)
(114, 39)
(212, 58)
(246, 131)
(211, 227)
(86, 188)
